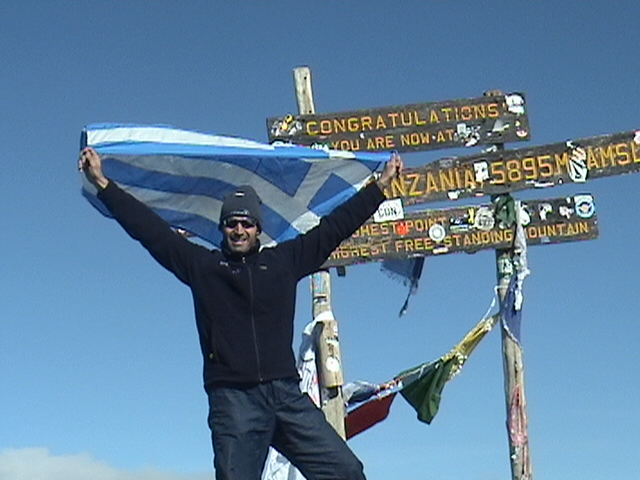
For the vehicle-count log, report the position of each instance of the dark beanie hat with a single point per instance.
(243, 202)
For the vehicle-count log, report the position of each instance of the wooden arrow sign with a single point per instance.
(406, 128)
(467, 229)
(504, 171)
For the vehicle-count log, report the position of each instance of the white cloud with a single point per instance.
(40, 464)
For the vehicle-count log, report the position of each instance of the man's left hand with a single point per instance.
(392, 169)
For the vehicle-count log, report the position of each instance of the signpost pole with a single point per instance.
(328, 360)
(513, 366)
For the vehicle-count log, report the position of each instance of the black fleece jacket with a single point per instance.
(244, 305)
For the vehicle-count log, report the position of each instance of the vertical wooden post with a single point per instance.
(513, 368)
(329, 360)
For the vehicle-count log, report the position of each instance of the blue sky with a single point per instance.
(100, 369)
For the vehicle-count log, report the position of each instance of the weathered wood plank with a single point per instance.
(414, 127)
(504, 171)
(467, 229)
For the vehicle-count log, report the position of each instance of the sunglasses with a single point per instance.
(234, 222)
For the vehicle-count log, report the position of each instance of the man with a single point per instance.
(244, 299)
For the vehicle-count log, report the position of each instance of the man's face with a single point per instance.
(240, 233)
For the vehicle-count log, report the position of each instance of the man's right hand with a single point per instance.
(91, 164)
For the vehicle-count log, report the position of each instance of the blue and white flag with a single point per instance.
(184, 175)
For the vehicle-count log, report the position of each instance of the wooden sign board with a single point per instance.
(467, 229)
(503, 171)
(408, 128)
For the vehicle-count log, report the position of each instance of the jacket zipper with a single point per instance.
(253, 320)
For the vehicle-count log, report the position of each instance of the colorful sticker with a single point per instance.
(499, 126)
(469, 135)
(544, 209)
(521, 132)
(460, 224)
(566, 212)
(482, 171)
(524, 217)
(585, 208)
(515, 103)
(332, 364)
(389, 210)
(484, 219)
(578, 169)
(288, 126)
(437, 233)
(401, 228)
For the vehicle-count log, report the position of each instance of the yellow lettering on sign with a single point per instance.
(341, 125)
(448, 113)
(406, 119)
(432, 185)
(447, 179)
(347, 144)
(497, 172)
(607, 155)
(592, 161)
(469, 178)
(562, 162)
(622, 154)
(493, 110)
(389, 144)
(398, 187)
(312, 127)
(466, 113)
(583, 227)
(561, 227)
(414, 190)
(530, 168)
(433, 117)
(380, 123)
(545, 167)
(414, 138)
(325, 127)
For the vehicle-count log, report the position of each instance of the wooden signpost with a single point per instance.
(409, 128)
(467, 229)
(505, 171)
(329, 361)
(395, 233)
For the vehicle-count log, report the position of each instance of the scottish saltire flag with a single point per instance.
(183, 176)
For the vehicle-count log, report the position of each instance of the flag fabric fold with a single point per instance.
(511, 306)
(421, 386)
(407, 272)
(183, 176)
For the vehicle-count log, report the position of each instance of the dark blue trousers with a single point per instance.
(245, 420)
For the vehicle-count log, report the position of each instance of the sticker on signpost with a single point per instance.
(389, 210)
(437, 233)
(585, 208)
(484, 219)
(578, 169)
